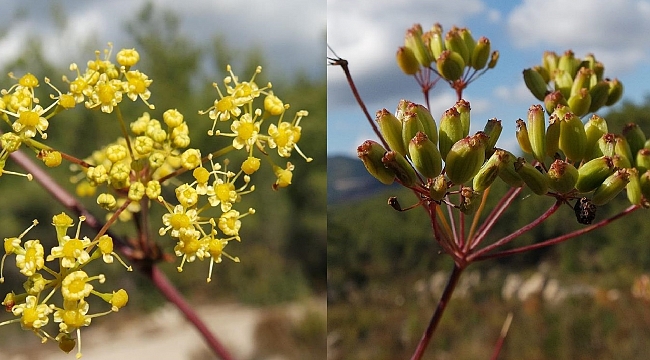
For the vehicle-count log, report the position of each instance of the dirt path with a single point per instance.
(165, 334)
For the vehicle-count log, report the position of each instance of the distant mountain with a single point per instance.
(347, 179)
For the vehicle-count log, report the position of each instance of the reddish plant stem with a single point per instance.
(344, 65)
(560, 238)
(437, 315)
(157, 277)
(171, 293)
(506, 239)
(494, 215)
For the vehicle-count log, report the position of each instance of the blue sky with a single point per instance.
(367, 33)
(290, 32)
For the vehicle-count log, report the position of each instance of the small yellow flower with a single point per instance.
(119, 299)
(71, 251)
(32, 259)
(187, 195)
(33, 316)
(273, 105)
(250, 165)
(31, 121)
(283, 176)
(72, 316)
(245, 130)
(178, 219)
(191, 158)
(172, 118)
(138, 86)
(127, 57)
(75, 286)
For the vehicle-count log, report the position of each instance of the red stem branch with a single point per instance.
(560, 238)
(437, 315)
(506, 239)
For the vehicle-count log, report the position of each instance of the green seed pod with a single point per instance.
(400, 166)
(406, 61)
(549, 61)
(620, 162)
(508, 173)
(494, 58)
(536, 127)
(595, 128)
(573, 138)
(480, 54)
(606, 144)
(599, 70)
(438, 187)
(593, 173)
(463, 110)
(542, 71)
(450, 65)
(634, 136)
(410, 126)
(413, 41)
(554, 99)
(580, 102)
(371, 153)
(647, 144)
(425, 156)
(489, 171)
(465, 158)
(553, 136)
(633, 188)
(599, 93)
(469, 201)
(535, 83)
(522, 137)
(612, 186)
(562, 176)
(644, 183)
(469, 41)
(622, 148)
(581, 80)
(436, 42)
(568, 63)
(429, 126)
(493, 130)
(563, 82)
(615, 92)
(455, 43)
(533, 178)
(451, 130)
(391, 129)
(643, 160)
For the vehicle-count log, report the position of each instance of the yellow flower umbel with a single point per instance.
(33, 308)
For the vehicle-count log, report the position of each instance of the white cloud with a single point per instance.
(515, 93)
(614, 30)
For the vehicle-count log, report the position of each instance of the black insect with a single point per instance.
(585, 211)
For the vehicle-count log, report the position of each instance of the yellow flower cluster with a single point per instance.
(33, 308)
(131, 172)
